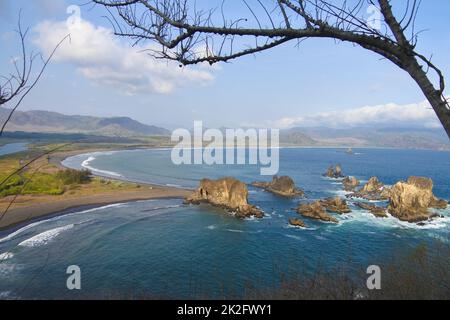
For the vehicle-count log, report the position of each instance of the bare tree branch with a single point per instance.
(190, 36)
(18, 85)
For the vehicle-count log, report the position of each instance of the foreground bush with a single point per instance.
(70, 176)
(421, 274)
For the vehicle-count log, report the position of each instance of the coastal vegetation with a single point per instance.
(33, 183)
(42, 178)
(418, 273)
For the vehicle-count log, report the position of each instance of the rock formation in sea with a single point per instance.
(282, 186)
(297, 223)
(350, 183)
(372, 190)
(335, 205)
(334, 172)
(315, 211)
(228, 193)
(410, 201)
(377, 211)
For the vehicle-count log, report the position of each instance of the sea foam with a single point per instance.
(45, 237)
(86, 164)
(6, 256)
(35, 224)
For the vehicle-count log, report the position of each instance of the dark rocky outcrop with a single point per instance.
(297, 223)
(410, 201)
(282, 186)
(334, 172)
(372, 190)
(350, 183)
(377, 211)
(336, 205)
(315, 211)
(227, 193)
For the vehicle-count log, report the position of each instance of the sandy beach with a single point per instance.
(29, 207)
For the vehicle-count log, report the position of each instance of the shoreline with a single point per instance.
(47, 205)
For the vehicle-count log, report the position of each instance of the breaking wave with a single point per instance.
(86, 164)
(6, 256)
(45, 237)
(35, 224)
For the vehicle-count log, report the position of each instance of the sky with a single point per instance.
(319, 83)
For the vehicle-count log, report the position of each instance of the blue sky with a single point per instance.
(287, 86)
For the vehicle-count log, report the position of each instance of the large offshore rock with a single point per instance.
(410, 201)
(227, 193)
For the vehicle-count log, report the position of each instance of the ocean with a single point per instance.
(164, 249)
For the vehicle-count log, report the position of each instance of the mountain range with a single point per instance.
(53, 122)
(392, 137)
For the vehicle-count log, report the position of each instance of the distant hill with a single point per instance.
(53, 122)
(405, 138)
(296, 137)
(42, 122)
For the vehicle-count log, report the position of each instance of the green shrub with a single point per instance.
(70, 176)
(12, 186)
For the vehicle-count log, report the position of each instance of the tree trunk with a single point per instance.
(434, 97)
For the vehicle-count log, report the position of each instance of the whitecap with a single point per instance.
(289, 226)
(114, 205)
(86, 164)
(21, 230)
(341, 193)
(6, 256)
(234, 230)
(163, 207)
(392, 222)
(211, 227)
(45, 237)
(35, 224)
(294, 237)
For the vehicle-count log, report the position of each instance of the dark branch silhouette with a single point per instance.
(191, 36)
(18, 84)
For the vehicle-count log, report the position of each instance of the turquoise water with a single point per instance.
(162, 248)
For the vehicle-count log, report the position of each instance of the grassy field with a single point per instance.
(43, 177)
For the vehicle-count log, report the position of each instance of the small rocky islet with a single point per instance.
(281, 186)
(408, 201)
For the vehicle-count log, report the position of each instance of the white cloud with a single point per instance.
(105, 60)
(411, 114)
